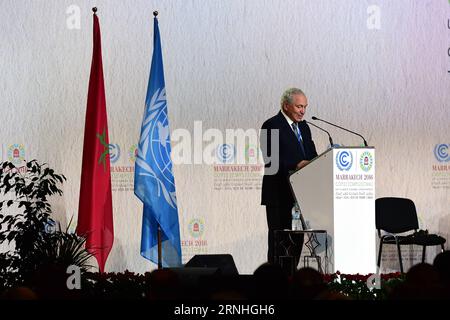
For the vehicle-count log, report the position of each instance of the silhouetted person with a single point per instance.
(271, 282)
(19, 293)
(228, 287)
(442, 265)
(421, 282)
(49, 281)
(307, 284)
(164, 285)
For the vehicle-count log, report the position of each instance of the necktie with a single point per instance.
(298, 134)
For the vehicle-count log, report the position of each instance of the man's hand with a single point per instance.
(302, 163)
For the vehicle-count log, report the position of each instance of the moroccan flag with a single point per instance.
(95, 220)
(154, 183)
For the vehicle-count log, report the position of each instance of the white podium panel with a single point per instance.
(336, 192)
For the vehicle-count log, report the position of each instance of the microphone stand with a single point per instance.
(335, 125)
(329, 136)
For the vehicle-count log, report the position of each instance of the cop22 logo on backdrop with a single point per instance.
(344, 160)
(114, 152)
(225, 153)
(251, 153)
(441, 152)
(196, 227)
(132, 153)
(16, 154)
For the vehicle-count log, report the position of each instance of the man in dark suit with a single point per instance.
(293, 150)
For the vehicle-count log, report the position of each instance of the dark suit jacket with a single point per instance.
(276, 190)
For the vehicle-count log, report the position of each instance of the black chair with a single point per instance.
(398, 215)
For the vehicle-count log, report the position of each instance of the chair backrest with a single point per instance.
(395, 215)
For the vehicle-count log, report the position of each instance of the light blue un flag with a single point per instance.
(154, 183)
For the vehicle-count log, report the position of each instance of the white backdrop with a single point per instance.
(378, 67)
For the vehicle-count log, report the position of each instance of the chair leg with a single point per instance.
(442, 248)
(400, 257)
(379, 254)
(424, 248)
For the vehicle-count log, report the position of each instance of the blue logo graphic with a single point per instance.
(50, 226)
(114, 152)
(441, 152)
(225, 153)
(344, 160)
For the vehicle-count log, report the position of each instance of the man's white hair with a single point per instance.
(287, 95)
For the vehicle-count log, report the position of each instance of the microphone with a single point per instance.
(335, 125)
(329, 136)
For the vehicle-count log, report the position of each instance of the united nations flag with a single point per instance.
(154, 182)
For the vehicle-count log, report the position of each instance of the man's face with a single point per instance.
(297, 109)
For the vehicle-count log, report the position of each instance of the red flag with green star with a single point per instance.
(95, 220)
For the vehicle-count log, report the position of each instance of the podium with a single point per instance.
(336, 193)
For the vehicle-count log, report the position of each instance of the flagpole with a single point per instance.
(155, 14)
(159, 248)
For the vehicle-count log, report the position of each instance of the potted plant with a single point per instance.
(25, 214)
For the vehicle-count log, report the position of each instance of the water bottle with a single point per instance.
(296, 222)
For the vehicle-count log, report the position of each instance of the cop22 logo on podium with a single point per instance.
(344, 160)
